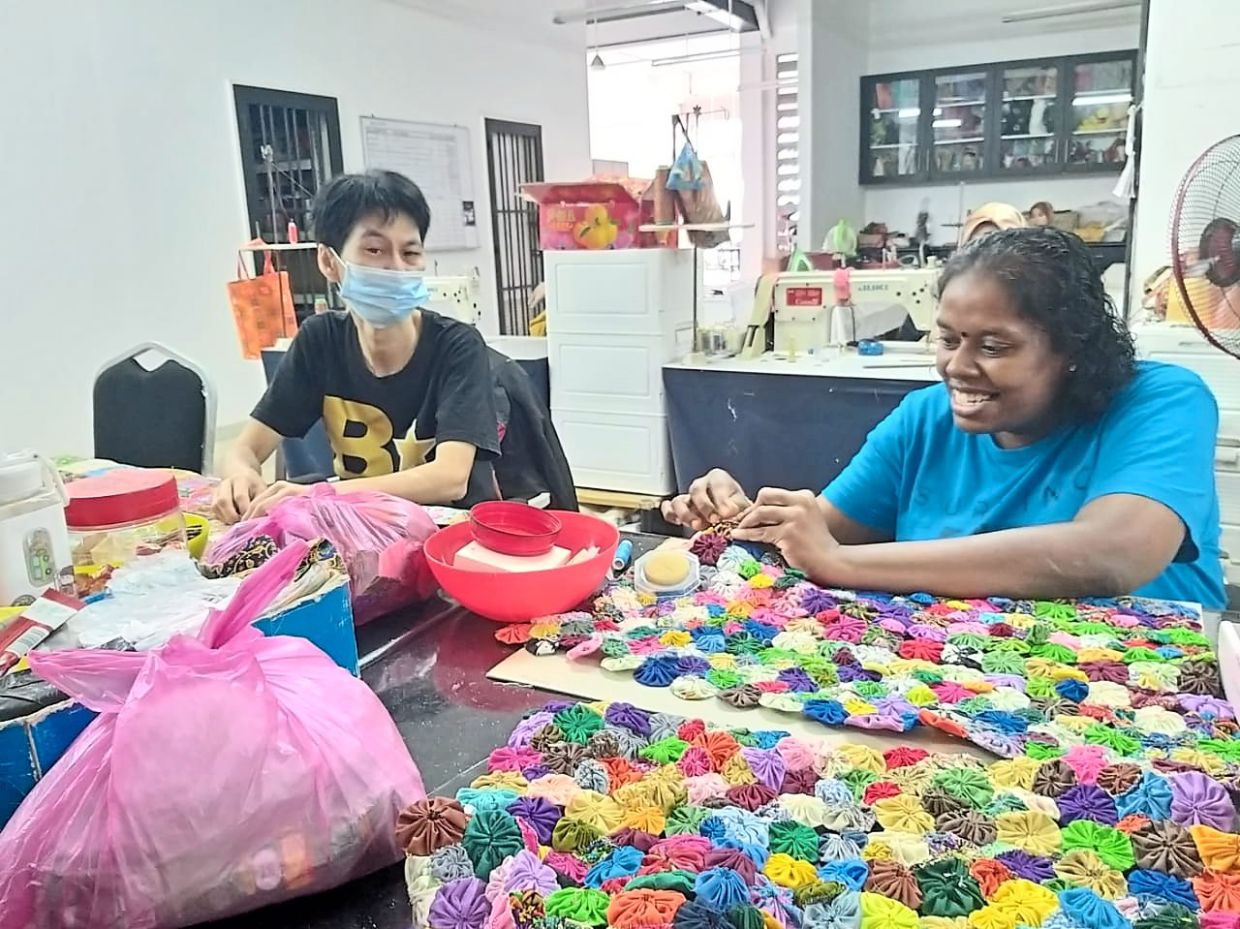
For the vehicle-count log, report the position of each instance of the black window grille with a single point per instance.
(290, 147)
(514, 157)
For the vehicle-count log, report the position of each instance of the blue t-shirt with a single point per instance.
(919, 477)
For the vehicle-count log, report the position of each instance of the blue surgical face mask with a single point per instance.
(381, 297)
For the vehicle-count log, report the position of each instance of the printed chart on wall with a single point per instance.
(437, 158)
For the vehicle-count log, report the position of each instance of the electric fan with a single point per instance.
(1205, 244)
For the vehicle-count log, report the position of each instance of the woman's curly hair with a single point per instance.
(1053, 281)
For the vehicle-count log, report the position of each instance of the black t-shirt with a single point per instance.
(378, 425)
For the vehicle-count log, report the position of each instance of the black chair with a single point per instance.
(155, 417)
(532, 461)
(305, 460)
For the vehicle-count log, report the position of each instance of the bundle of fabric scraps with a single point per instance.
(1129, 679)
(607, 815)
(378, 539)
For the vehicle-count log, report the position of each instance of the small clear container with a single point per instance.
(667, 591)
(121, 515)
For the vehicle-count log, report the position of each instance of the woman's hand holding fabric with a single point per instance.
(711, 498)
(795, 522)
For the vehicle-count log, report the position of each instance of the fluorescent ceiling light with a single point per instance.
(695, 56)
(1073, 9)
(1100, 99)
(910, 113)
(947, 124)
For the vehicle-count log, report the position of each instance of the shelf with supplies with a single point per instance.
(1105, 253)
(1050, 116)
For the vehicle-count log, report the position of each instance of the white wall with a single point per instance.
(757, 105)
(913, 56)
(120, 174)
(1192, 85)
(831, 37)
(898, 207)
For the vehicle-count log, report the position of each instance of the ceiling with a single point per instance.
(530, 19)
(916, 22)
(895, 23)
(892, 23)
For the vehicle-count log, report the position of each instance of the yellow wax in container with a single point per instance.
(665, 569)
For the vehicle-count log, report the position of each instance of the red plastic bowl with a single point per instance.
(514, 528)
(516, 598)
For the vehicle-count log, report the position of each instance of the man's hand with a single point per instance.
(795, 522)
(233, 495)
(280, 490)
(711, 498)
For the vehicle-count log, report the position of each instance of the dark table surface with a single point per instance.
(429, 668)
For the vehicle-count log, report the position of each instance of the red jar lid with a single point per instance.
(125, 495)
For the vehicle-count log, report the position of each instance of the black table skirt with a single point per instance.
(772, 430)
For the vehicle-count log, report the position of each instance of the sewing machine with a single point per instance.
(799, 311)
(455, 296)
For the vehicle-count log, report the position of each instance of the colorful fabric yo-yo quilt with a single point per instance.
(1131, 679)
(607, 815)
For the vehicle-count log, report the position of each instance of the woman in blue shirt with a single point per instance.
(1049, 463)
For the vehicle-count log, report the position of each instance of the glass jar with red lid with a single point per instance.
(121, 515)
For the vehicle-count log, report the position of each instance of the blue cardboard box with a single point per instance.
(30, 745)
(326, 619)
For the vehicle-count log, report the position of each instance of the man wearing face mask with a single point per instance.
(405, 394)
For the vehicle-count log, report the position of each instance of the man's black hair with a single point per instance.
(1051, 277)
(345, 199)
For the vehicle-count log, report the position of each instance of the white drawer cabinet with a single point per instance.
(611, 374)
(617, 451)
(1185, 346)
(614, 318)
(638, 291)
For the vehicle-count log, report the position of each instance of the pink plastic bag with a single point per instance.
(379, 537)
(223, 773)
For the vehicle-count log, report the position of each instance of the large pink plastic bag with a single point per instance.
(224, 772)
(379, 537)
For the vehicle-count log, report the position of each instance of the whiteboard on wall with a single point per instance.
(438, 159)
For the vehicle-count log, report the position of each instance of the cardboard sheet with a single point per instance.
(587, 681)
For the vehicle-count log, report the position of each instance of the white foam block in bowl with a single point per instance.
(584, 555)
(474, 557)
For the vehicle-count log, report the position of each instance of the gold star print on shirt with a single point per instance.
(362, 441)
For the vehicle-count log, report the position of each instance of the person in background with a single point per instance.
(988, 218)
(406, 395)
(1041, 214)
(1048, 463)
